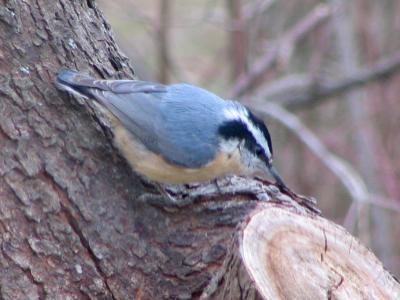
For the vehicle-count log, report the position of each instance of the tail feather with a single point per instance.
(84, 85)
(66, 76)
(74, 82)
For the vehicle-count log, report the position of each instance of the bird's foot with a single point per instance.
(164, 199)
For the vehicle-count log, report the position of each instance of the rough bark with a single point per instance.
(71, 224)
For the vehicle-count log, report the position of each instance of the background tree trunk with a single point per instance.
(71, 226)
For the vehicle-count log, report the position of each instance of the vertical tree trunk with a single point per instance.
(238, 43)
(163, 31)
(71, 226)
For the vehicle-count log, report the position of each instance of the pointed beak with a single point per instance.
(274, 173)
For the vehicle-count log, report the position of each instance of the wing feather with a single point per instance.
(178, 122)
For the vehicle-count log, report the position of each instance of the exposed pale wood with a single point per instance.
(295, 256)
(284, 252)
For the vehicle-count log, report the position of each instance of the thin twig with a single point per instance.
(384, 202)
(282, 50)
(351, 180)
(254, 8)
(376, 200)
(300, 91)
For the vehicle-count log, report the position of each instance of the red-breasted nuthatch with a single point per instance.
(178, 133)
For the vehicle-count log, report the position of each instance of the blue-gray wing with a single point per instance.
(178, 122)
(190, 118)
(139, 111)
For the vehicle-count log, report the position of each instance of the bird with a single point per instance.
(178, 133)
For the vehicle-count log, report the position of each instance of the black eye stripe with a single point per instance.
(236, 129)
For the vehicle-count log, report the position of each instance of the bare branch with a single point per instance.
(163, 40)
(282, 50)
(383, 202)
(376, 200)
(298, 91)
(255, 8)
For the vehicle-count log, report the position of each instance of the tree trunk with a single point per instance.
(71, 224)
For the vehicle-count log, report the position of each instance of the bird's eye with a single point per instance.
(259, 151)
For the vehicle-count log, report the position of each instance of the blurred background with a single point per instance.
(324, 75)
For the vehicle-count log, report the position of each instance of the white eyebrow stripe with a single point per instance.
(240, 113)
